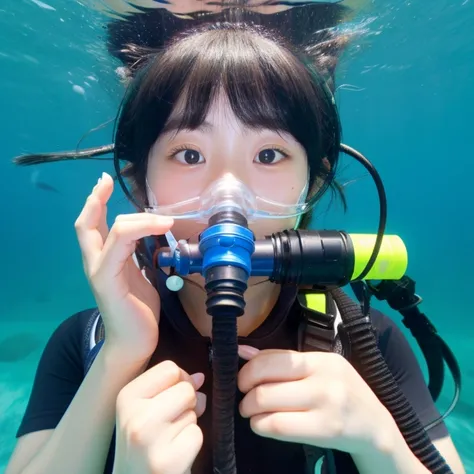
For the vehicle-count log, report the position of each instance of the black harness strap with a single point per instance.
(401, 296)
(317, 332)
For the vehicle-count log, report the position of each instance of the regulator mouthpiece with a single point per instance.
(228, 194)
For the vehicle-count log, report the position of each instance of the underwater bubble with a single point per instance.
(78, 89)
(44, 5)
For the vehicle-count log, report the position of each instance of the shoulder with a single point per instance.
(404, 365)
(394, 346)
(59, 374)
(67, 340)
(75, 325)
(391, 340)
(385, 327)
(77, 321)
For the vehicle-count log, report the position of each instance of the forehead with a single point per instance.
(220, 115)
(219, 112)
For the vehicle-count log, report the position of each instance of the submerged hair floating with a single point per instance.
(87, 153)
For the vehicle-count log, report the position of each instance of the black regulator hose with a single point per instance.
(225, 286)
(225, 302)
(382, 203)
(369, 362)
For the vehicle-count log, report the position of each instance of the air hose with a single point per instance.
(369, 362)
(227, 246)
(225, 302)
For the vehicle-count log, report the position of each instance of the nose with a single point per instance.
(229, 177)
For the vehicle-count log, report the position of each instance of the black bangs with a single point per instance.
(266, 83)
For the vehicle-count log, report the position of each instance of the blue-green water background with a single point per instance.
(412, 118)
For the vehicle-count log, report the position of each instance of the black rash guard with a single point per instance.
(61, 371)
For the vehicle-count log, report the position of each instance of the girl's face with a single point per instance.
(182, 165)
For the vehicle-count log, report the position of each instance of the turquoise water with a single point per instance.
(409, 111)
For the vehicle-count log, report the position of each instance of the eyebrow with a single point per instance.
(174, 124)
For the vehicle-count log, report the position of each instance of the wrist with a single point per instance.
(385, 436)
(116, 359)
(387, 451)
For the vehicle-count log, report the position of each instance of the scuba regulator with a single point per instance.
(227, 254)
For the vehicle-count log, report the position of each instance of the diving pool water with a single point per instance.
(405, 93)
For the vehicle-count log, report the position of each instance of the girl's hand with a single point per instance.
(314, 398)
(157, 431)
(129, 304)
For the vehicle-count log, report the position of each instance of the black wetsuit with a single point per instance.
(61, 372)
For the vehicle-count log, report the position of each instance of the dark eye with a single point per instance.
(270, 156)
(189, 157)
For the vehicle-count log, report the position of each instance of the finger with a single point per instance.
(157, 379)
(163, 417)
(247, 352)
(276, 366)
(277, 397)
(136, 216)
(179, 424)
(104, 191)
(187, 417)
(158, 409)
(171, 403)
(153, 430)
(299, 427)
(91, 224)
(122, 240)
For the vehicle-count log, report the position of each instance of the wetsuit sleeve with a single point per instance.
(58, 377)
(405, 367)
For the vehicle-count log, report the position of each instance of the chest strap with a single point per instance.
(320, 330)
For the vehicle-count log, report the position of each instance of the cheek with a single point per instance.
(167, 189)
(293, 192)
(284, 187)
(170, 183)
(265, 227)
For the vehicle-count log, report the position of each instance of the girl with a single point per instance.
(224, 102)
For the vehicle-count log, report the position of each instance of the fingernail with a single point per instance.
(104, 174)
(248, 352)
(164, 220)
(198, 379)
(201, 400)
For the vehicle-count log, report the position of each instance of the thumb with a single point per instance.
(248, 352)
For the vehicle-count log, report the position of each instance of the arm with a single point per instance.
(69, 422)
(390, 454)
(395, 455)
(81, 441)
